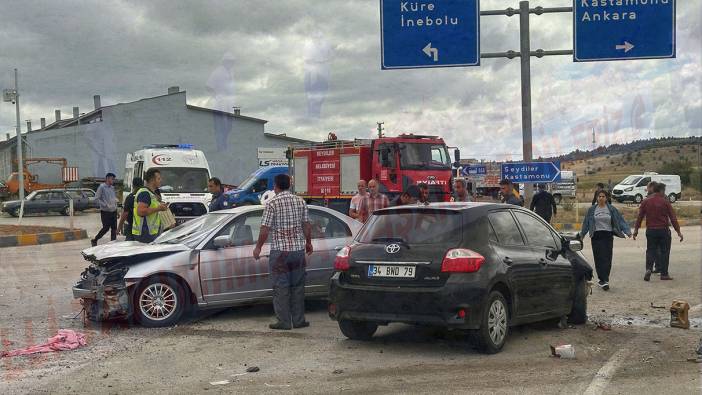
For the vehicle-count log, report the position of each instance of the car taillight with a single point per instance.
(341, 262)
(461, 260)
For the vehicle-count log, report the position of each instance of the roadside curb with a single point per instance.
(42, 238)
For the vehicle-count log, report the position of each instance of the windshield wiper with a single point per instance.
(393, 240)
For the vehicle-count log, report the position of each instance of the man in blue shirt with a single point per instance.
(214, 185)
(107, 200)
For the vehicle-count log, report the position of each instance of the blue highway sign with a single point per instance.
(533, 172)
(438, 33)
(474, 171)
(623, 29)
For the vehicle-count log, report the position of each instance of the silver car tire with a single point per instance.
(159, 301)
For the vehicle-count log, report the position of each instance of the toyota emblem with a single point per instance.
(392, 248)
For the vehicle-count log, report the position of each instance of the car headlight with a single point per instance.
(629, 189)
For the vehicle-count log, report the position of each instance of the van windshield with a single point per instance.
(184, 179)
(248, 182)
(413, 226)
(631, 180)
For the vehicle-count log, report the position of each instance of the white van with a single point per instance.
(633, 188)
(184, 175)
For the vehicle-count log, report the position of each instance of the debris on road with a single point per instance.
(253, 369)
(657, 307)
(338, 371)
(223, 382)
(678, 314)
(64, 340)
(565, 351)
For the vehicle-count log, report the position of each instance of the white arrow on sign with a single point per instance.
(431, 52)
(626, 47)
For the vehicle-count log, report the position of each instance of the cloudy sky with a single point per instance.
(310, 67)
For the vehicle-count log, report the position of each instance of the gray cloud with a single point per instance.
(126, 50)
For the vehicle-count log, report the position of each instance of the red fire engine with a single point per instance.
(327, 173)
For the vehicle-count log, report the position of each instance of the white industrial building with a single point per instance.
(97, 142)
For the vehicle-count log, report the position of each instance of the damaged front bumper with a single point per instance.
(103, 292)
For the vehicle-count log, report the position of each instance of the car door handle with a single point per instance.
(507, 260)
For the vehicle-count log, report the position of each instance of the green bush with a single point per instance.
(682, 168)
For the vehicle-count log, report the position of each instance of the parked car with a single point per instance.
(206, 262)
(84, 193)
(480, 267)
(47, 201)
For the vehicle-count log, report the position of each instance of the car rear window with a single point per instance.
(413, 226)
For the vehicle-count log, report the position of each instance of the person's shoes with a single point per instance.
(647, 276)
(93, 242)
(605, 286)
(665, 277)
(279, 326)
(601, 283)
(303, 324)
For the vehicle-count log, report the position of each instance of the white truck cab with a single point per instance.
(633, 187)
(184, 175)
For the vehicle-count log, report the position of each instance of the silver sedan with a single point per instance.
(207, 262)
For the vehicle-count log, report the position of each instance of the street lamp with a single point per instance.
(12, 95)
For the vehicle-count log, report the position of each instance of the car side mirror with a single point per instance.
(222, 242)
(575, 245)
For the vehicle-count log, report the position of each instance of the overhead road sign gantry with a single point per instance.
(532, 172)
(623, 29)
(430, 33)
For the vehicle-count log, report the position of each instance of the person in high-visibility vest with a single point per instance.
(146, 225)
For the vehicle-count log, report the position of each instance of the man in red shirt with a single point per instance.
(372, 201)
(659, 213)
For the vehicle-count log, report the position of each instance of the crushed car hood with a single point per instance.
(129, 249)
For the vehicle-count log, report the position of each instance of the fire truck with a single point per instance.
(327, 173)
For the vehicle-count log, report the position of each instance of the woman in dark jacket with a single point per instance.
(602, 222)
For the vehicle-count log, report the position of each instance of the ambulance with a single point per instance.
(184, 176)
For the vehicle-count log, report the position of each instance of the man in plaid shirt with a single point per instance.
(287, 218)
(372, 201)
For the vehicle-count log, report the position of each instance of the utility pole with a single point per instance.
(10, 95)
(380, 129)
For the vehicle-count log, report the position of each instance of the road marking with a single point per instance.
(605, 374)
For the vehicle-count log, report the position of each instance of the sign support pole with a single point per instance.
(525, 53)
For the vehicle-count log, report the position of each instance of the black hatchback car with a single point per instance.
(480, 267)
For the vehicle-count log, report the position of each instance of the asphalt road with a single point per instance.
(641, 354)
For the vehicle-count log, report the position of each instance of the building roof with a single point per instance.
(191, 107)
(283, 136)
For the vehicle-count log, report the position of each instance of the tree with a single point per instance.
(681, 168)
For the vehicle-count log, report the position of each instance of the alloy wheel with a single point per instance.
(158, 301)
(497, 322)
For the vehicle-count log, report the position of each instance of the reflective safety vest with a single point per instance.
(153, 221)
